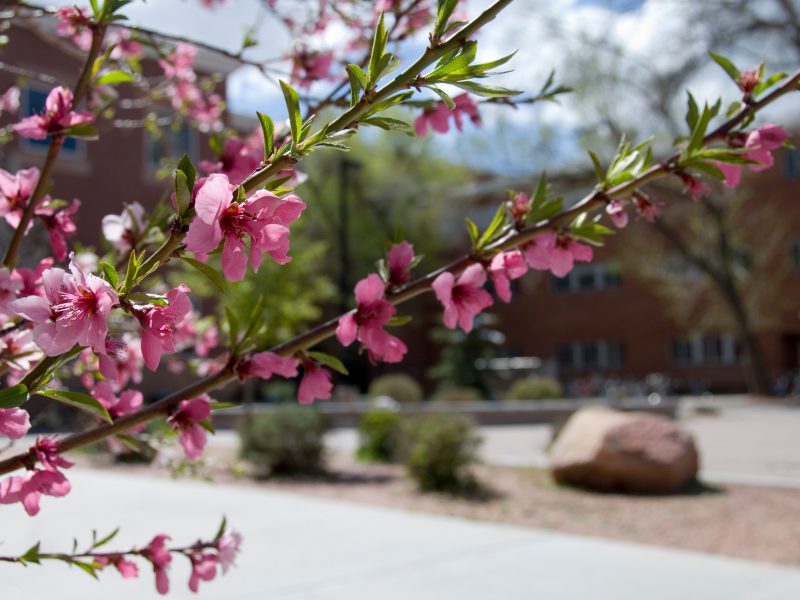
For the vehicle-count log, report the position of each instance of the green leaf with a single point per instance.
(78, 400)
(389, 102)
(494, 227)
(598, 168)
(358, 81)
(329, 361)
(133, 269)
(473, 231)
(14, 396)
(111, 273)
(335, 146)
(222, 527)
(487, 91)
(727, 65)
(769, 82)
(105, 540)
(89, 568)
(185, 165)
(114, 78)
(84, 131)
(692, 112)
(399, 320)
(390, 125)
(444, 96)
(443, 12)
(268, 131)
(214, 277)
(376, 54)
(183, 195)
(293, 107)
(32, 554)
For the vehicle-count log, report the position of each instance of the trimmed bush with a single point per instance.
(457, 394)
(535, 388)
(438, 451)
(399, 387)
(285, 441)
(379, 436)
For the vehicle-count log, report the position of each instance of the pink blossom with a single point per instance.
(29, 488)
(57, 117)
(310, 66)
(127, 568)
(694, 187)
(463, 298)
(128, 401)
(228, 547)
(125, 47)
(15, 190)
(180, 64)
(616, 211)
(9, 286)
(399, 260)
(75, 310)
(267, 364)
(731, 172)
(647, 208)
(30, 279)
(19, 353)
(73, 22)
(437, 117)
(160, 557)
(761, 142)
(9, 100)
(506, 266)
(159, 324)
(366, 323)
(264, 218)
(556, 253)
(14, 422)
(186, 421)
(204, 567)
(520, 206)
(124, 230)
(316, 383)
(237, 160)
(58, 221)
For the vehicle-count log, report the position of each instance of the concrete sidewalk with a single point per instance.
(298, 547)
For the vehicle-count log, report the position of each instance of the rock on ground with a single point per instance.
(608, 450)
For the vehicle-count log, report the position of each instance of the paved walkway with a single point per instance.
(301, 548)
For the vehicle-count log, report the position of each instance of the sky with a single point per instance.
(650, 32)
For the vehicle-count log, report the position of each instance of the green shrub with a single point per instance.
(438, 451)
(535, 388)
(286, 440)
(379, 436)
(457, 394)
(399, 387)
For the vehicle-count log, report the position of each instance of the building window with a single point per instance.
(794, 254)
(708, 349)
(791, 165)
(170, 142)
(32, 102)
(597, 355)
(587, 278)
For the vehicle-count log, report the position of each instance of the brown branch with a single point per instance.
(596, 199)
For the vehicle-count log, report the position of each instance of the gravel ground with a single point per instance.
(757, 523)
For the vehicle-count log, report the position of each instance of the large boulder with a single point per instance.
(604, 449)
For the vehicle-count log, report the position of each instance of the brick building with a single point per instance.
(123, 165)
(605, 323)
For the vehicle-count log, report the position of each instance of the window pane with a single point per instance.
(712, 349)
